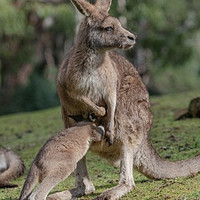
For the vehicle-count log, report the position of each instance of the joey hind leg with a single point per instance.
(43, 189)
(126, 183)
(83, 184)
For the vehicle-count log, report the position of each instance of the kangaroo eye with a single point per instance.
(109, 28)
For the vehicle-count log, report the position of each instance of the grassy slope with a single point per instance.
(25, 133)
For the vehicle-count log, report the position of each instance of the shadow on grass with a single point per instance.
(144, 181)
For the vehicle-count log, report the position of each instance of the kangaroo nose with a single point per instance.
(131, 37)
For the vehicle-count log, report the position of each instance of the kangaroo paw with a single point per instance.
(100, 112)
(109, 135)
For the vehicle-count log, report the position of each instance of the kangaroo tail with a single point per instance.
(29, 184)
(16, 168)
(149, 163)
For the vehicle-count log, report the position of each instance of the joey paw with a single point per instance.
(92, 117)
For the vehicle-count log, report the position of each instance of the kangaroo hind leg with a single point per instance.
(126, 183)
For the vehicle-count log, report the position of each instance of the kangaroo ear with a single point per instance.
(103, 5)
(84, 7)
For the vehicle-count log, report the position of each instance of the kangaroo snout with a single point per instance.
(128, 41)
(132, 37)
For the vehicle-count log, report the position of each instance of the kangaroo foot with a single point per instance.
(115, 193)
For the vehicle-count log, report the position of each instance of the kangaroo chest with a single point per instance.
(92, 84)
(96, 84)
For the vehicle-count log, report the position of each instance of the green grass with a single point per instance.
(25, 133)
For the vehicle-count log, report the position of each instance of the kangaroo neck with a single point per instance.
(86, 57)
(85, 54)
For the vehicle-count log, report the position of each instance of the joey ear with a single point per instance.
(103, 5)
(84, 7)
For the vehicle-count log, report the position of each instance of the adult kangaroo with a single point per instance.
(92, 57)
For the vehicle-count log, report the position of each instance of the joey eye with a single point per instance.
(109, 28)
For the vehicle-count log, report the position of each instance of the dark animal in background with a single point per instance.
(193, 110)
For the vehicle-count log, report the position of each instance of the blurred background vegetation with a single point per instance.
(36, 34)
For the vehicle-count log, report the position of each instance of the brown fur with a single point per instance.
(91, 59)
(58, 158)
(11, 167)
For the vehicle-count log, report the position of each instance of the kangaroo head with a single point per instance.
(99, 29)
